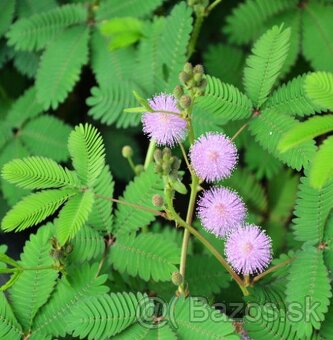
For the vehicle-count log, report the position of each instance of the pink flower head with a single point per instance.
(213, 156)
(164, 128)
(248, 249)
(221, 210)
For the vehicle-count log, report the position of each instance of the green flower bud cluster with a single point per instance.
(194, 81)
(166, 164)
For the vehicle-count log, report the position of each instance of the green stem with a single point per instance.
(191, 204)
(195, 35)
(131, 164)
(133, 205)
(239, 131)
(150, 154)
(185, 158)
(212, 6)
(108, 243)
(189, 218)
(272, 269)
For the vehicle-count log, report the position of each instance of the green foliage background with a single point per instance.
(68, 71)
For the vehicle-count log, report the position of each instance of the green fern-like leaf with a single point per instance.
(137, 331)
(293, 20)
(189, 328)
(282, 190)
(321, 170)
(155, 257)
(268, 129)
(74, 215)
(86, 148)
(121, 8)
(110, 65)
(7, 12)
(27, 8)
(303, 132)
(225, 62)
(100, 217)
(317, 28)
(264, 65)
(250, 18)
(10, 329)
(174, 40)
(46, 136)
(87, 244)
(108, 103)
(327, 326)
(38, 173)
(273, 322)
(292, 99)
(267, 326)
(60, 66)
(204, 121)
(115, 72)
(260, 162)
(52, 319)
(309, 287)
(149, 72)
(249, 188)
(5, 134)
(319, 88)
(224, 101)
(35, 208)
(205, 276)
(309, 224)
(33, 287)
(12, 150)
(105, 316)
(27, 63)
(139, 192)
(26, 107)
(37, 31)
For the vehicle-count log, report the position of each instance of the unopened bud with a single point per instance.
(185, 101)
(171, 160)
(198, 69)
(178, 91)
(138, 169)
(184, 77)
(197, 77)
(176, 164)
(166, 168)
(127, 151)
(166, 154)
(157, 200)
(188, 68)
(177, 278)
(157, 155)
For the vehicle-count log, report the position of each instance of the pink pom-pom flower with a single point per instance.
(165, 128)
(221, 210)
(213, 156)
(248, 249)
